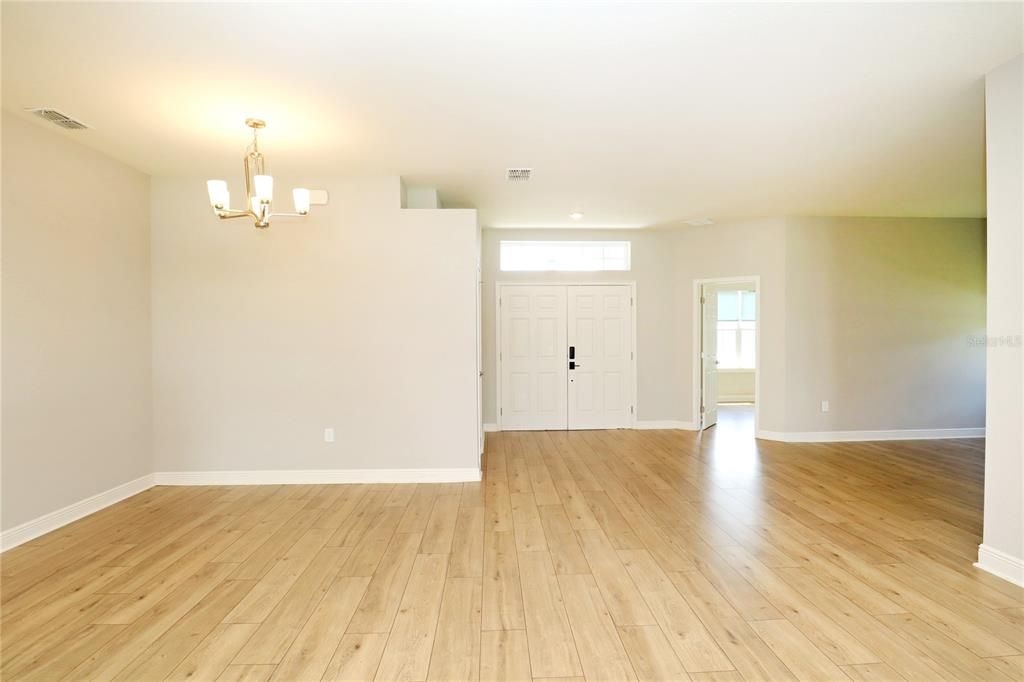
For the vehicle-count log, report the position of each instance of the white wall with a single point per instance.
(360, 318)
(1003, 548)
(877, 316)
(76, 334)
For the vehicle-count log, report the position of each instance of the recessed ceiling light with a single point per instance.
(576, 215)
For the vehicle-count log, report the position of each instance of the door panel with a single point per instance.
(533, 365)
(600, 330)
(709, 356)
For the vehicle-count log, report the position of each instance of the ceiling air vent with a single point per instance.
(57, 118)
(518, 174)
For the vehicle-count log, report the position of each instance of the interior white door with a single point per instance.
(709, 357)
(479, 361)
(534, 370)
(600, 357)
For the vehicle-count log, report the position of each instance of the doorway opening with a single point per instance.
(566, 357)
(727, 354)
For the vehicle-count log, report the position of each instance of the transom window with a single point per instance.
(737, 318)
(579, 256)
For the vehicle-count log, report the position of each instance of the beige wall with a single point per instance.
(1004, 447)
(360, 318)
(737, 250)
(877, 316)
(736, 385)
(883, 317)
(76, 326)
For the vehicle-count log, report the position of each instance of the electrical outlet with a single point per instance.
(328, 435)
(824, 406)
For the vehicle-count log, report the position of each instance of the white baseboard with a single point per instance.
(846, 436)
(639, 425)
(314, 476)
(62, 517)
(1001, 564)
(664, 424)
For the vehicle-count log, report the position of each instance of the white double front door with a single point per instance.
(565, 356)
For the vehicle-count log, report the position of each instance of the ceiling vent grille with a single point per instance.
(57, 118)
(518, 174)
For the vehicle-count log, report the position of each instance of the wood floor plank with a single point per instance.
(214, 654)
(357, 657)
(838, 644)
(871, 672)
(407, 654)
(276, 632)
(272, 587)
(745, 649)
(974, 636)
(552, 649)
(597, 641)
(625, 604)
(314, 646)
(377, 610)
(467, 560)
(526, 523)
(564, 546)
(366, 553)
(107, 661)
(656, 553)
(651, 654)
(440, 530)
(502, 594)
(456, 650)
(689, 638)
(504, 656)
(246, 673)
(942, 649)
(162, 656)
(796, 651)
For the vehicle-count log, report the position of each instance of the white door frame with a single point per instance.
(498, 286)
(697, 387)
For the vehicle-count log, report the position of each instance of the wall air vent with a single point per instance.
(518, 174)
(57, 118)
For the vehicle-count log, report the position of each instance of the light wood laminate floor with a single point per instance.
(613, 555)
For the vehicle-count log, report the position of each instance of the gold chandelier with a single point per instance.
(259, 188)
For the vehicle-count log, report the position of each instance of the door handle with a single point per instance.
(574, 365)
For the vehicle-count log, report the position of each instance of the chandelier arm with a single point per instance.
(229, 214)
(248, 178)
(287, 215)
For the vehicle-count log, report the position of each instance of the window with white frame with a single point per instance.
(737, 319)
(554, 256)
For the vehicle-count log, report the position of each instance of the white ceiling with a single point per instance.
(635, 114)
